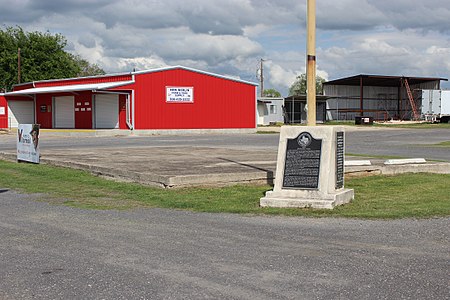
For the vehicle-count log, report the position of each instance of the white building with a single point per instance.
(270, 110)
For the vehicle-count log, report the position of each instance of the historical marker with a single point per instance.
(310, 169)
(340, 159)
(302, 165)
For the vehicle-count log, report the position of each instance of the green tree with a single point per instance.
(271, 93)
(86, 68)
(299, 85)
(42, 56)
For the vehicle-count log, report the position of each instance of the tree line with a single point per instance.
(40, 55)
(297, 88)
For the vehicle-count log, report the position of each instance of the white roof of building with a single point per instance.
(141, 72)
(70, 88)
(197, 71)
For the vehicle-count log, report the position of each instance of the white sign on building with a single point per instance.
(176, 94)
(2, 110)
(28, 143)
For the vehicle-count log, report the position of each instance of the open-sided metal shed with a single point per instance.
(296, 109)
(377, 96)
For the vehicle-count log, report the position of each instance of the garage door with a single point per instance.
(64, 110)
(20, 112)
(106, 111)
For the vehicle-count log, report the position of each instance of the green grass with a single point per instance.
(393, 125)
(377, 197)
(415, 125)
(443, 144)
(385, 125)
(337, 123)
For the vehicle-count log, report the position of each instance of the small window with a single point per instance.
(273, 109)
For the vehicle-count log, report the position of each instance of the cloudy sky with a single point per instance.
(400, 37)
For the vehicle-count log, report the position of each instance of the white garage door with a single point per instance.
(106, 111)
(64, 110)
(20, 112)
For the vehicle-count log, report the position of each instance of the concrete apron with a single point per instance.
(167, 167)
(126, 132)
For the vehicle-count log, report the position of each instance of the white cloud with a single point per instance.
(137, 63)
(280, 77)
(229, 37)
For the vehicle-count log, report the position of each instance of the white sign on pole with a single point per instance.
(176, 94)
(28, 143)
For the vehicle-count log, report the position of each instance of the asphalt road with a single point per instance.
(376, 141)
(56, 252)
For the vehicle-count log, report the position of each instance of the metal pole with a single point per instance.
(361, 96)
(18, 65)
(311, 61)
(262, 78)
(337, 105)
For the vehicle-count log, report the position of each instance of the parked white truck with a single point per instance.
(435, 105)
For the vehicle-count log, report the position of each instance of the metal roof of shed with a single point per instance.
(70, 88)
(381, 80)
(304, 97)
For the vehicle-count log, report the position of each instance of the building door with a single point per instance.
(64, 112)
(20, 112)
(106, 111)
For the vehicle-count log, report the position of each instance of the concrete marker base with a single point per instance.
(304, 199)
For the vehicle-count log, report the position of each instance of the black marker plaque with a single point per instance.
(339, 160)
(302, 163)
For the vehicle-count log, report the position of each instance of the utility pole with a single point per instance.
(18, 65)
(311, 62)
(261, 78)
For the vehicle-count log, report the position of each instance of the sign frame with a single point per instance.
(28, 143)
(179, 94)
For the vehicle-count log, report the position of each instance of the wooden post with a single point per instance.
(311, 62)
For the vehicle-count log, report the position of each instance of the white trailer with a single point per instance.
(435, 105)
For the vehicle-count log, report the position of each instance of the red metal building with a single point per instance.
(159, 99)
(3, 112)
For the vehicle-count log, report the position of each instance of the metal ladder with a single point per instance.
(416, 114)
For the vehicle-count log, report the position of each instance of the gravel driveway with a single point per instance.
(57, 252)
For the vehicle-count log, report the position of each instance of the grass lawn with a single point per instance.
(385, 125)
(377, 197)
(415, 125)
(443, 144)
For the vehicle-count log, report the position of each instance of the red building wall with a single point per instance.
(83, 118)
(83, 110)
(3, 108)
(123, 112)
(44, 110)
(218, 102)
